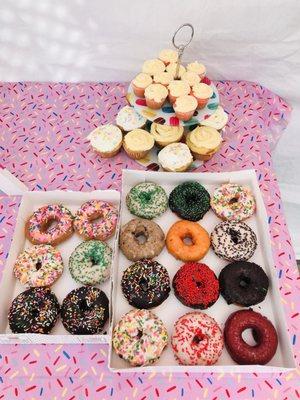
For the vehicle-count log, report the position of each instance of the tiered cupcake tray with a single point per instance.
(171, 309)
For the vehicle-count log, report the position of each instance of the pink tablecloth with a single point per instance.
(42, 133)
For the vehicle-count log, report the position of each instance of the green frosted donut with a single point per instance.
(147, 200)
(90, 262)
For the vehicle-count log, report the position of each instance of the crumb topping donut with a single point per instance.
(140, 238)
(197, 339)
(85, 311)
(183, 231)
(90, 262)
(96, 219)
(34, 311)
(196, 285)
(140, 337)
(189, 200)
(145, 284)
(233, 241)
(243, 283)
(39, 265)
(50, 224)
(147, 200)
(233, 202)
(264, 334)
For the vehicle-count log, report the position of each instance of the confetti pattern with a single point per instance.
(43, 143)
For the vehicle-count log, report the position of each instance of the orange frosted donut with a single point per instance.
(180, 233)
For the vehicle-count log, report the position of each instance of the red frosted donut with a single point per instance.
(196, 285)
(264, 334)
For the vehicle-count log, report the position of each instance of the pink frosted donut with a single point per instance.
(50, 224)
(233, 202)
(96, 219)
(197, 339)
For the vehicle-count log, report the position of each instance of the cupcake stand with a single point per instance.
(166, 115)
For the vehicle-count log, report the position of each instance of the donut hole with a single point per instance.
(250, 337)
(233, 200)
(244, 281)
(140, 237)
(198, 338)
(139, 334)
(83, 306)
(35, 313)
(144, 284)
(235, 236)
(145, 197)
(188, 241)
(95, 218)
(49, 225)
(38, 265)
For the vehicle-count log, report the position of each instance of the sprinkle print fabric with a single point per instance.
(43, 129)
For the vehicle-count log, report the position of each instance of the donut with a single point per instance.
(40, 265)
(233, 202)
(196, 285)
(34, 311)
(140, 337)
(197, 339)
(190, 201)
(264, 334)
(90, 262)
(50, 224)
(84, 311)
(140, 238)
(182, 231)
(96, 219)
(145, 284)
(147, 200)
(243, 283)
(233, 241)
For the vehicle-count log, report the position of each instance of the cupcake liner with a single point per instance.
(154, 104)
(136, 155)
(184, 116)
(138, 91)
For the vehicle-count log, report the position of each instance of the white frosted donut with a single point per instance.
(197, 339)
(140, 337)
(233, 202)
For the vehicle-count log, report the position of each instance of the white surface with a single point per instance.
(80, 40)
(171, 309)
(10, 287)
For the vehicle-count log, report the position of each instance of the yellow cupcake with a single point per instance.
(185, 107)
(153, 67)
(106, 140)
(155, 95)
(178, 88)
(198, 68)
(140, 82)
(204, 142)
(191, 78)
(165, 134)
(172, 69)
(168, 56)
(138, 143)
(163, 77)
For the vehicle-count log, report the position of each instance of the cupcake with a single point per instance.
(140, 82)
(178, 88)
(191, 78)
(176, 157)
(138, 143)
(202, 92)
(163, 77)
(153, 67)
(185, 107)
(168, 56)
(155, 95)
(128, 119)
(165, 134)
(198, 68)
(204, 142)
(106, 140)
(172, 69)
(217, 120)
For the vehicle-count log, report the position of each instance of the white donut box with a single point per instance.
(170, 309)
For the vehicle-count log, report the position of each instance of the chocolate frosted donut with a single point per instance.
(140, 238)
(264, 335)
(243, 283)
(145, 284)
(34, 311)
(233, 241)
(84, 311)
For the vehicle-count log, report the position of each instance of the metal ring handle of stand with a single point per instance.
(181, 47)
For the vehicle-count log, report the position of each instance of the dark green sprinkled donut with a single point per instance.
(147, 200)
(189, 200)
